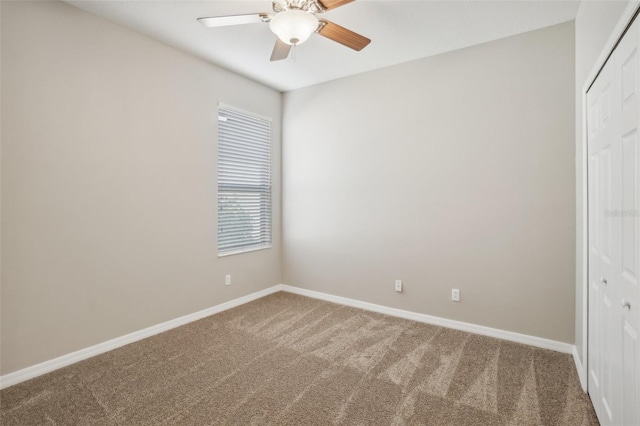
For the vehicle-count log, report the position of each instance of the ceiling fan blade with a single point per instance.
(280, 50)
(332, 4)
(225, 21)
(342, 35)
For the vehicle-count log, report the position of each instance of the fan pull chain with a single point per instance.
(293, 54)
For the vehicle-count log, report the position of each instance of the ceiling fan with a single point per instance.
(293, 21)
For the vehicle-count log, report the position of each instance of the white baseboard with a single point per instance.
(582, 373)
(73, 357)
(444, 322)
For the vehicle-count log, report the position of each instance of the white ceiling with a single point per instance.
(400, 31)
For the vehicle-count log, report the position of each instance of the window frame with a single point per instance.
(267, 192)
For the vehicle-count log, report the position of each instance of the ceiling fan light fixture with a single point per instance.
(293, 26)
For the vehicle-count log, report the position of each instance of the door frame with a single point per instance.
(627, 17)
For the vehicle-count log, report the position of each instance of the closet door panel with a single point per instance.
(626, 228)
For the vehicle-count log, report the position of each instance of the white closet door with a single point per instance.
(626, 194)
(613, 118)
(602, 123)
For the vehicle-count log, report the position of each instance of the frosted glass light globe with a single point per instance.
(293, 26)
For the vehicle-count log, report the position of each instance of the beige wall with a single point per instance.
(455, 171)
(109, 183)
(452, 171)
(593, 26)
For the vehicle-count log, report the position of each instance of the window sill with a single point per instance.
(243, 250)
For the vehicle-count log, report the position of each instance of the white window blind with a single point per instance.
(244, 181)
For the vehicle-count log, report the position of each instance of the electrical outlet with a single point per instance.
(455, 294)
(399, 286)
(227, 280)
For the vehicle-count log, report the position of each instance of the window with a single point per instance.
(244, 181)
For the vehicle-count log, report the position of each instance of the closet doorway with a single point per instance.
(613, 148)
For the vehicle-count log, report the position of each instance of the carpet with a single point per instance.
(291, 360)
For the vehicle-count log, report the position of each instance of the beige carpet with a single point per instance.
(287, 359)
